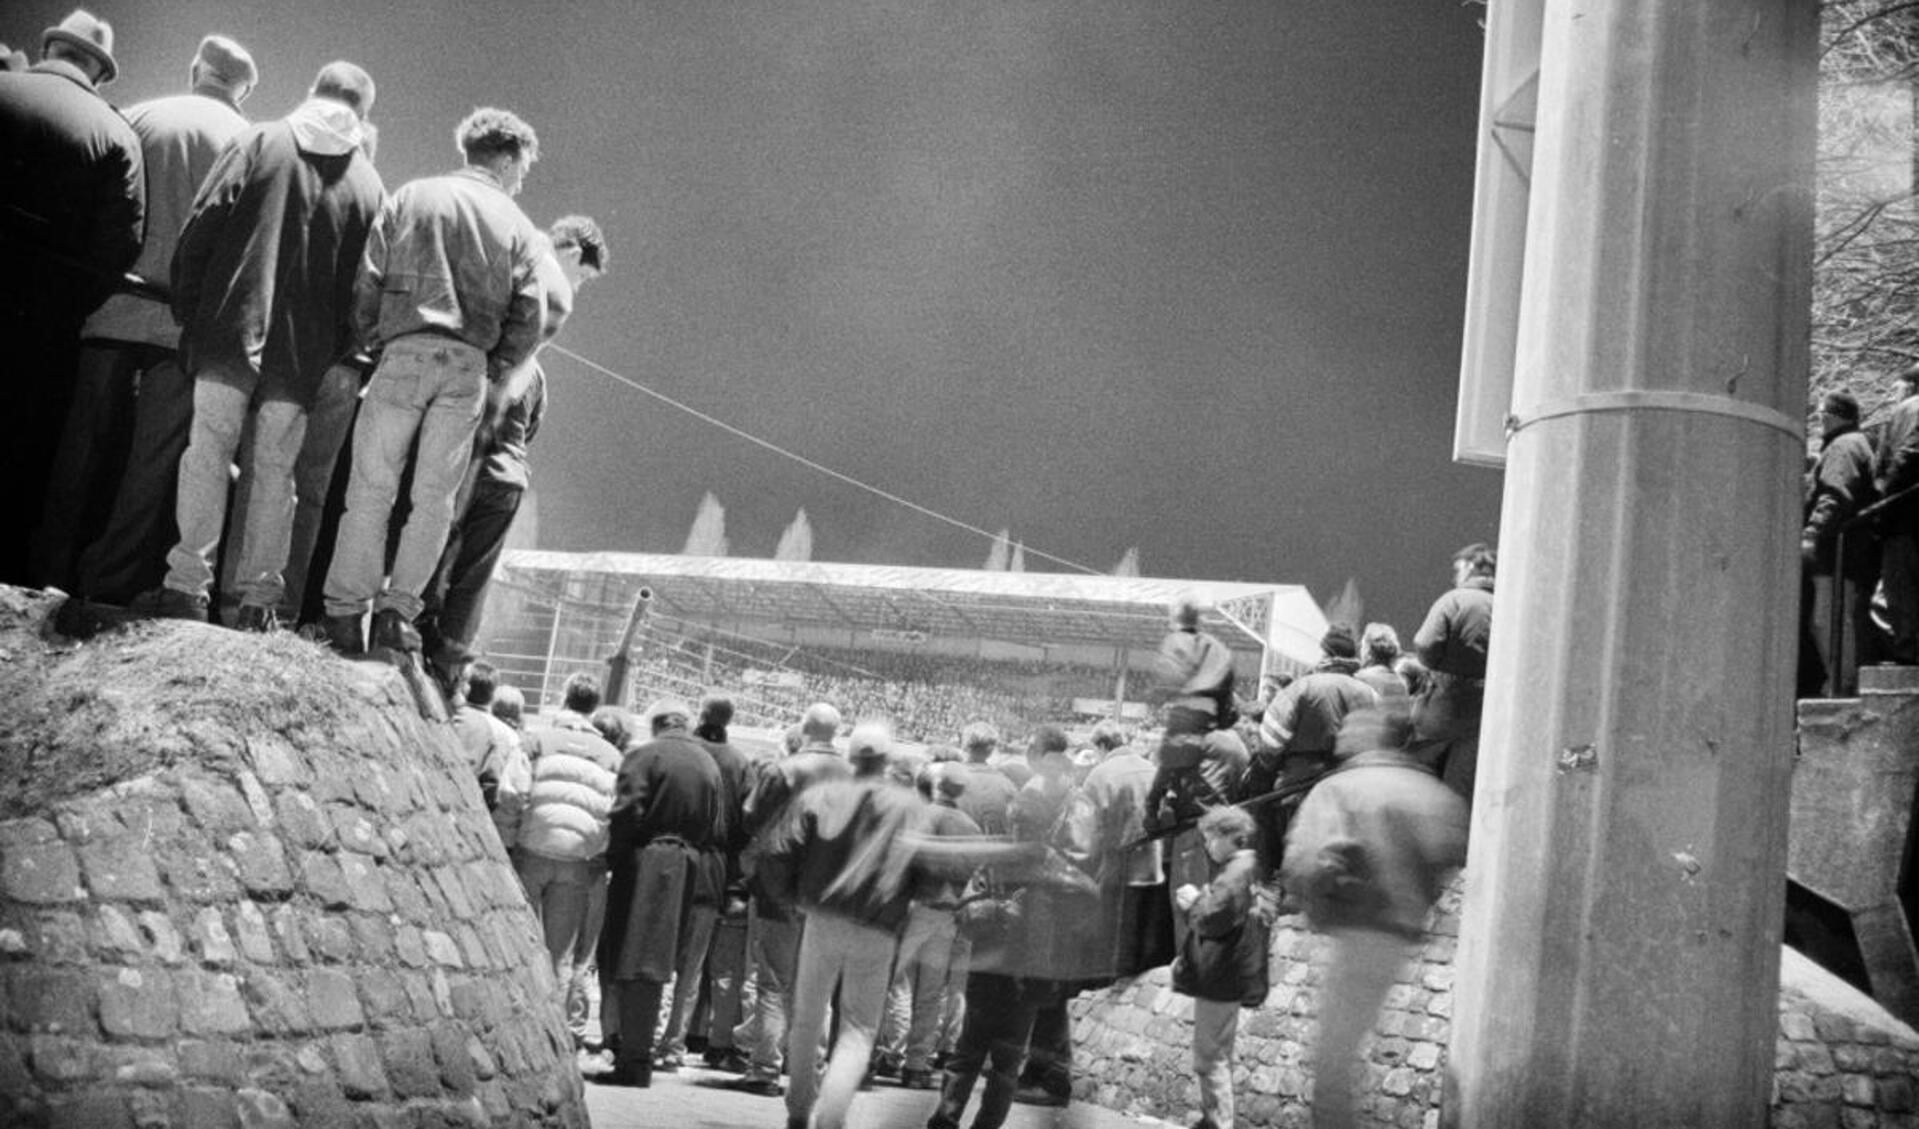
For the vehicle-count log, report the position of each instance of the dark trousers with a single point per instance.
(127, 555)
(457, 594)
(1000, 1011)
(41, 352)
(639, 1005)
(93, 454)
(1049, 1050)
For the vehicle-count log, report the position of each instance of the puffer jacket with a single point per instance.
(574, 771)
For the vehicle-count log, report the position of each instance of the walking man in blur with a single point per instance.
(1298, 734)
(112, 489)
(261, 282)
(72, 212)
(1368, 853)
(449, 292)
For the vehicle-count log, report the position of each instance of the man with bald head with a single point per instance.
(667, 864)
(103, 531)
(263, 289)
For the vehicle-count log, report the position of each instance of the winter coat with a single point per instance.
(1373, 843)
(574, 771)
(839, 848)
(181, 137)
(1841, 486)
(71, 188)
(454, 255)
(1225, 955)
(1306, 716)
(1452, 643)
(663, 853)
(263, 274)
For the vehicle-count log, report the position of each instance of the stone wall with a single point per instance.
(243, 884)
(1842, 1062)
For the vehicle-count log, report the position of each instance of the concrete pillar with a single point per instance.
(1619, 946)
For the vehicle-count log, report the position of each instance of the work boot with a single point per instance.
(394, 632)
(168, 603)
(257, 618)
(342, 634)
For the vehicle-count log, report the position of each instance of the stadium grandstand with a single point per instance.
(931, 648)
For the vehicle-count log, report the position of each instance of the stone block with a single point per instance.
(374, 935)
(216, 805)
(471, 947)
(456, 1066)
(27, 832)
(301, 822)
(1896, 1094)
(410, 1066)
(454, 891)
(210, 1003)
(120, 869)
(383, 998)
(51, 1001)
(115, 933)
(410, 945)
(329, 938)
(157, 928)
(259, 1109)
(420, 995)
(322, 877)
(1815, 1059)
(372, 787)
(1856, 1089)
(354, 831)
(60, 1060)
(408, 903)
(357, 1058)
(366, 883)
(140, 1066)
(138, 1003)
(196, 875)
(262, 864)
(336, 1006)
(90, 1109)
(204, 1108)
(211, 1059)
(289, 932)
(255, 937)
(442, 949)
(276, 762)
(210, 937)
(1797, 1026)
(279, 1004)
(40, 873)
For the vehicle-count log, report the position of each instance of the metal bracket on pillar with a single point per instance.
(1658, 400)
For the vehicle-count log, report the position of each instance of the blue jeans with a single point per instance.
(225, 407)
(427, 386)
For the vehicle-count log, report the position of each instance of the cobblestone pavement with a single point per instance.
(694, 1099)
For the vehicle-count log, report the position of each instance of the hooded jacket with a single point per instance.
(263, 274)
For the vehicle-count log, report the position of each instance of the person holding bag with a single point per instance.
(1222, 963)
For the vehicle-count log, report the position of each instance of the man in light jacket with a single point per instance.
(561, 854)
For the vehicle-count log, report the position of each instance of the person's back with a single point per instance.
(988, 796)
(670, 786)
(1371, 845)
(1312, 709)
(574, 772)
(454, 255)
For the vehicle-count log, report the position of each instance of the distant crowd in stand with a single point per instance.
(282, 309)
(943, 907)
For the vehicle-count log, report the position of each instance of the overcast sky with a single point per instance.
(1181, 275)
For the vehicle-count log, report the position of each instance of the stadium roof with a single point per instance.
(1026, 607)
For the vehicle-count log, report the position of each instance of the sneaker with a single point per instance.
(918, 1080)
(1040, 1096)
(166, 603)
(254, 617)
(668, 1064)
(885, 1065)
(728, 1059)
(758, 1084)
(343, 634)
(393, 632)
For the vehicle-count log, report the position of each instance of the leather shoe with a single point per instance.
(634, 1077)
(1040, 1096)
(918, 1080)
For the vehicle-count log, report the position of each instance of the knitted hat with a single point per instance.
(227, 62)
(1338, 642)
(90, 34)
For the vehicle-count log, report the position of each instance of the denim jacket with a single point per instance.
(454, 255)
